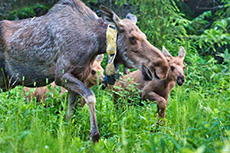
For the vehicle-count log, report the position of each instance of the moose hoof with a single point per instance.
(94, 136)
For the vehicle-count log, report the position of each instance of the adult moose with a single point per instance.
(61, 45)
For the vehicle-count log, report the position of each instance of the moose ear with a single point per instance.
(131, 17)
(181, 52)
(99, 58)
(166, 53)
(110, 17)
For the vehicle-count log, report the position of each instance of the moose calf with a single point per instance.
(158, 90)
(41, 92)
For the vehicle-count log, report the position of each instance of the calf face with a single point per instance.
(176, 72)
(96, 73)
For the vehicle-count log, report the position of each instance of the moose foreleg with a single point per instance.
(74, 86)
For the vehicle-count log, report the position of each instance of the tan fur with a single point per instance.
(157, 90)
(41, 92)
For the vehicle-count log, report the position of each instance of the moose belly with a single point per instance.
(29, 74)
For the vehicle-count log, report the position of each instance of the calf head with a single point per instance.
(133, 48)
(176, 71)
(96, 72)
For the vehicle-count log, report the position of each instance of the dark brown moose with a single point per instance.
(61, 45)
(157, 90)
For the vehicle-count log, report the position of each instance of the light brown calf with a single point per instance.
(158, 90)
(96, 74)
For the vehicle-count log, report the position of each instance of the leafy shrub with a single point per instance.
(28, 12)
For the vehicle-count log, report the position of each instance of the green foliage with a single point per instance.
(197, 116)
(28, 12)
(195, 121)
(163, 24)
(217, 34)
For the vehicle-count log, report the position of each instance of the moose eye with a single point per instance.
(93, 72)
(172, 68)
(132, 39)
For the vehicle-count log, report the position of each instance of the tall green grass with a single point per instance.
(195, 122)
(197, 119)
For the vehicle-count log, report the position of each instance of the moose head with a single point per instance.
(134, 50)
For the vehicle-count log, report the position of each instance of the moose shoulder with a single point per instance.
(61, 45)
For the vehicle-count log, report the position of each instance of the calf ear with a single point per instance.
(99, 58)
(131, 17)
(181, 52)
(166, 53)
(110, 17)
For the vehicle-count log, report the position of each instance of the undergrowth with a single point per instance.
(197, 115)
(197, 120)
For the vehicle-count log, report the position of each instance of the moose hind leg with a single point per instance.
(3, 85)
(94, 133)
(74, 86)
(71, 102)
(3, 80)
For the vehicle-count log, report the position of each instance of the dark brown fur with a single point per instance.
(62, 44)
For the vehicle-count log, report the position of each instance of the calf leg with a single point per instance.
(161, 102)
(74, 86)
